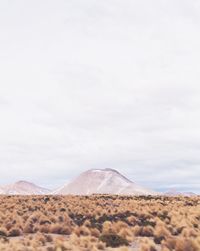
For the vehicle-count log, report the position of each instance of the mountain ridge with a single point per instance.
(92, 181)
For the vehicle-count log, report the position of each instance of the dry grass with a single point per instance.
(99, 222)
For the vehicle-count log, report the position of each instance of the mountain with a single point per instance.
(102, 181)
(174, 192)
(23, 188)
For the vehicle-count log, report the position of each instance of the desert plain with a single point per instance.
(99, 222)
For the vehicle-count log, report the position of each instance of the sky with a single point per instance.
(100, 84)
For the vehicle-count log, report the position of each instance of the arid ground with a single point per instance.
(99, 222)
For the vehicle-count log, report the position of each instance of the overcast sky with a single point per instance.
(100, 84)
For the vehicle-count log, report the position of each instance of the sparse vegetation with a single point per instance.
(99, 222)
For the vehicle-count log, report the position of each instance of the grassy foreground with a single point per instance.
(99, 222)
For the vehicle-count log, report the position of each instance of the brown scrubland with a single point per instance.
(99, 222)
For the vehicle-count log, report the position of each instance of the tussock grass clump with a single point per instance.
(3, 232)
(113, 240)
(14, 232)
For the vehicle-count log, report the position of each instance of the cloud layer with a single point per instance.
(95, 84)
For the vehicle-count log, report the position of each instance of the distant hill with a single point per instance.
(174, 192)
(103, 181)
(23, 188)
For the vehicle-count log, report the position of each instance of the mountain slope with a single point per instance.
(23, 188)
(102, 181)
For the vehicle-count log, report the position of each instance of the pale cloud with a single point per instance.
(95, 84)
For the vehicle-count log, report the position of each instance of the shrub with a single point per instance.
(113, 240)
